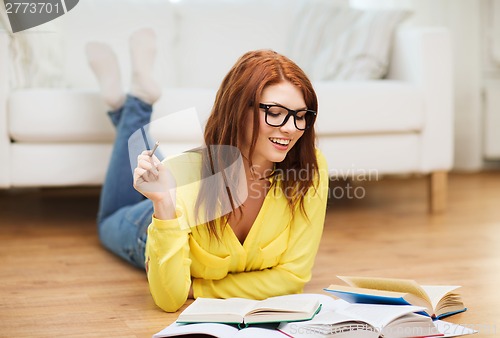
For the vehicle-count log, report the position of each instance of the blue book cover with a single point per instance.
(353, 297)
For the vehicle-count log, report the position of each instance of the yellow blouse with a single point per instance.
(276, 257)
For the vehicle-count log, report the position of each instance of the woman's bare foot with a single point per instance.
(105, 66)
(143, 53)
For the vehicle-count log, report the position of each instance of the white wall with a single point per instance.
(463, 19)
(490, 41)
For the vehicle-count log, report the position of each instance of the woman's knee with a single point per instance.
(124, 234)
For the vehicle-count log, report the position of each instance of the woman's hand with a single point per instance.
(155, 182)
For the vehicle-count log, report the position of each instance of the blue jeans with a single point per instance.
(124, 214)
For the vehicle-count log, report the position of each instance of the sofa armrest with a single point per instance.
(423, 56)
(4, 90)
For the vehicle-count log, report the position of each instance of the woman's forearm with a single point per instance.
(168, 264)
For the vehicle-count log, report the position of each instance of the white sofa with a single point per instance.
(59, 134)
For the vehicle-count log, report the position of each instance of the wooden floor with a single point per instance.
(57, 281)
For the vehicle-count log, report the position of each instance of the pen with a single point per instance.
(152, 151)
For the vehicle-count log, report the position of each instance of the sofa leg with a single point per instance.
(438, 191)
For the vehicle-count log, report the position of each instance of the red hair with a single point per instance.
(227, 124)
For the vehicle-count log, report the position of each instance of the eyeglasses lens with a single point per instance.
(275, 116)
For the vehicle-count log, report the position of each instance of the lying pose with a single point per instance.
(255, 232)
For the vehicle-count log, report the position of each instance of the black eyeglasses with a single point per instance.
(277, 116)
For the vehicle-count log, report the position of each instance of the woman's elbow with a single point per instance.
(167, 296)
(170, 303)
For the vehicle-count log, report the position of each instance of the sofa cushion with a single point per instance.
(63, 115)
(365, 157)
(58, 164)
(41, 43)
(212, 35)
(369, 107)
(80, 164)
(112, 23)
(338, 43)
(57, 115)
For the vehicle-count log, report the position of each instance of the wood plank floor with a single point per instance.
(57, 281)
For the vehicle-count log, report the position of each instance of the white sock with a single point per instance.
(143, 53)
(105, 66)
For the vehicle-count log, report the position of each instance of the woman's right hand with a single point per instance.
(154, 181)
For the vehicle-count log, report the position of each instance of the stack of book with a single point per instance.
(365, 307)
(439, 301)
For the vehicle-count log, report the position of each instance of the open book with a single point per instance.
(219, 331)
(365, 321)
(336, 319)
(244, 311)
(438, 301)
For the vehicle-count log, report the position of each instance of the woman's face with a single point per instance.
(273, 143)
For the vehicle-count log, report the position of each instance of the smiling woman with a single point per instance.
(237, 120)
(251, 232)
(282, 131)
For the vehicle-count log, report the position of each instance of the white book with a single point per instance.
(218, 330)
(245, 312)
(337, 319)
(343, 319)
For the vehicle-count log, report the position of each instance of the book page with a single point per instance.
(379, 315)
(285, 304)
(375, 315)
(343, 319)
(213, 329)
(324, 323)
(337, 321)
(326, 301)
(217, 330)
(452, 330)
(217, 310)
(388, 284)
(257, 332)
(436, 292)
